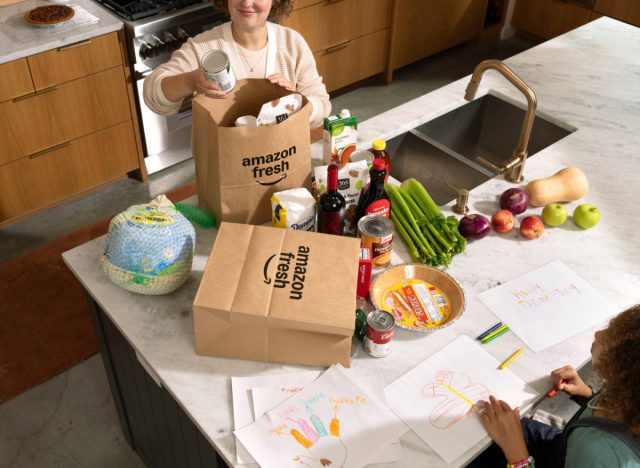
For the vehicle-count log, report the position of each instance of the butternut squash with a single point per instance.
(566, 185)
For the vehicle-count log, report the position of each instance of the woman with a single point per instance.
(606, 430)
(256, 47)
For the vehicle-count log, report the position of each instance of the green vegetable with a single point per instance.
(430, 237)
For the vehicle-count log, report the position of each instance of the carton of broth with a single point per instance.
(339, 137)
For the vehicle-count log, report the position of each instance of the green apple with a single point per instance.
(586, 216)
(554, 214)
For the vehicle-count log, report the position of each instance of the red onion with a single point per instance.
(474, 226)
(514, 200)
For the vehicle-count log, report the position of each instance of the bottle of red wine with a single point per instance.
(331, 206)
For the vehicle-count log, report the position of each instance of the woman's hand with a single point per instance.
(178, 87)
(503, 425)
(280, 81)
(567, 379)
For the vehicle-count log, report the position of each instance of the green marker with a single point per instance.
(496, 334)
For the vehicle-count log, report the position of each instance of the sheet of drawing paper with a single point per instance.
(267, 398)
(330, 422)
(548, 305)
(243, 405)
(437, 398)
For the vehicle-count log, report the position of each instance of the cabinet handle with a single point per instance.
(335, 48)
(36, 93)
(49, 150)
(333, 1)
(71, 46)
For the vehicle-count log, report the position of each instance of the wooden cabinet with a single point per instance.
(347, 37)
(423, 27)
(548, 18)
(624, 10)
(67, 124)
(15, 79)
(75, 60)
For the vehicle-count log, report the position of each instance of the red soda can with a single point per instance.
(380, 326)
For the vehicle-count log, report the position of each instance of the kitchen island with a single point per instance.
(586, 79)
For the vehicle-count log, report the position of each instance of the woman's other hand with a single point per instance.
(567, 379)
(503, 425)
(280, 81)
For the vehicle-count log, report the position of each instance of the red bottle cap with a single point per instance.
(379, 164)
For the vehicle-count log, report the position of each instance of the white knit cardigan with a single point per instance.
(288, 55)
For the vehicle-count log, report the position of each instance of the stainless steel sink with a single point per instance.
(443, 153)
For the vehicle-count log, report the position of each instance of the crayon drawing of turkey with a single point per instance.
(458, 397)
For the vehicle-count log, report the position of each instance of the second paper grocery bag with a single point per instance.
(239, 168)
(279, 295)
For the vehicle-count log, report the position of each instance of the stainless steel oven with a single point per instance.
(154, 29)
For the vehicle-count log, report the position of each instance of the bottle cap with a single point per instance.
(378, 144)
(379, 164)
(345, 113)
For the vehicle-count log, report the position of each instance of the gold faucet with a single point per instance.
(515, 167)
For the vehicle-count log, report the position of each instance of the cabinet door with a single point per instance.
(63, 113)
(330, 23)
(424, 27)
(15, 79)
(37, 181)
(75, 60)
(548, 18)
(624, 10)
(355, 61)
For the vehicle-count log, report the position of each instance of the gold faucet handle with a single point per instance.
(490, 165)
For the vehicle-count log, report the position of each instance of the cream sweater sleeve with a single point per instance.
(300, 66)
(186, 59)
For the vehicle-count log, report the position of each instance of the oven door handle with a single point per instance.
(142, 75)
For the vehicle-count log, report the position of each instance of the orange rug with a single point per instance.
(45, 326)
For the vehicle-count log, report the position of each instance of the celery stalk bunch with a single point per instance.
(430, 237)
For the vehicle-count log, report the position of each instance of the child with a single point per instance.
(606, 430)
(256, 47)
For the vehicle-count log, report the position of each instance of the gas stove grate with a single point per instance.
(133, 10)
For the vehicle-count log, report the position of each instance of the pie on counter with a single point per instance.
(50, 14)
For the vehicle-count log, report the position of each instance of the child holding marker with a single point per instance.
(606, 430)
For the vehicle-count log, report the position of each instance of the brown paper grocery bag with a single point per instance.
(239, 168)
(278, 295)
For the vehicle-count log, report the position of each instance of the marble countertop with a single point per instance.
(587, 79)
(19, 39)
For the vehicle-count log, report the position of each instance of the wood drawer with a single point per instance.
(359, 59)
(305, 3)
(63, 113)
(15, 79)
(330, 23)
(624, 10)
(75, 60)
(31, 183)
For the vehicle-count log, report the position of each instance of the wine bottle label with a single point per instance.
(379, 208)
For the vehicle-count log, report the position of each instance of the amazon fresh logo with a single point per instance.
(263, 169)
(291, 271)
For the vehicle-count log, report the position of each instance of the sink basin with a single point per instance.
(443, 153)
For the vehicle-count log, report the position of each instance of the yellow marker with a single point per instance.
(510, 358)
(458, 394)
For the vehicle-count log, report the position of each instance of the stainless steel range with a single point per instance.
(154, 29)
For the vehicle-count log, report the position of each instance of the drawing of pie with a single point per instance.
(48, 15)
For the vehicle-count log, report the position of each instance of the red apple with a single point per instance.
(503, 221)
(531, 227)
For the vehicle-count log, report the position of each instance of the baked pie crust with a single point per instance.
(50, 14)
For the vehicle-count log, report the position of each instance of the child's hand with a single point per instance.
(503, 425)
(201, 85)
(280, 81)
(567, 379)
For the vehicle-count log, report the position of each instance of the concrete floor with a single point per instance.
(70, 420)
